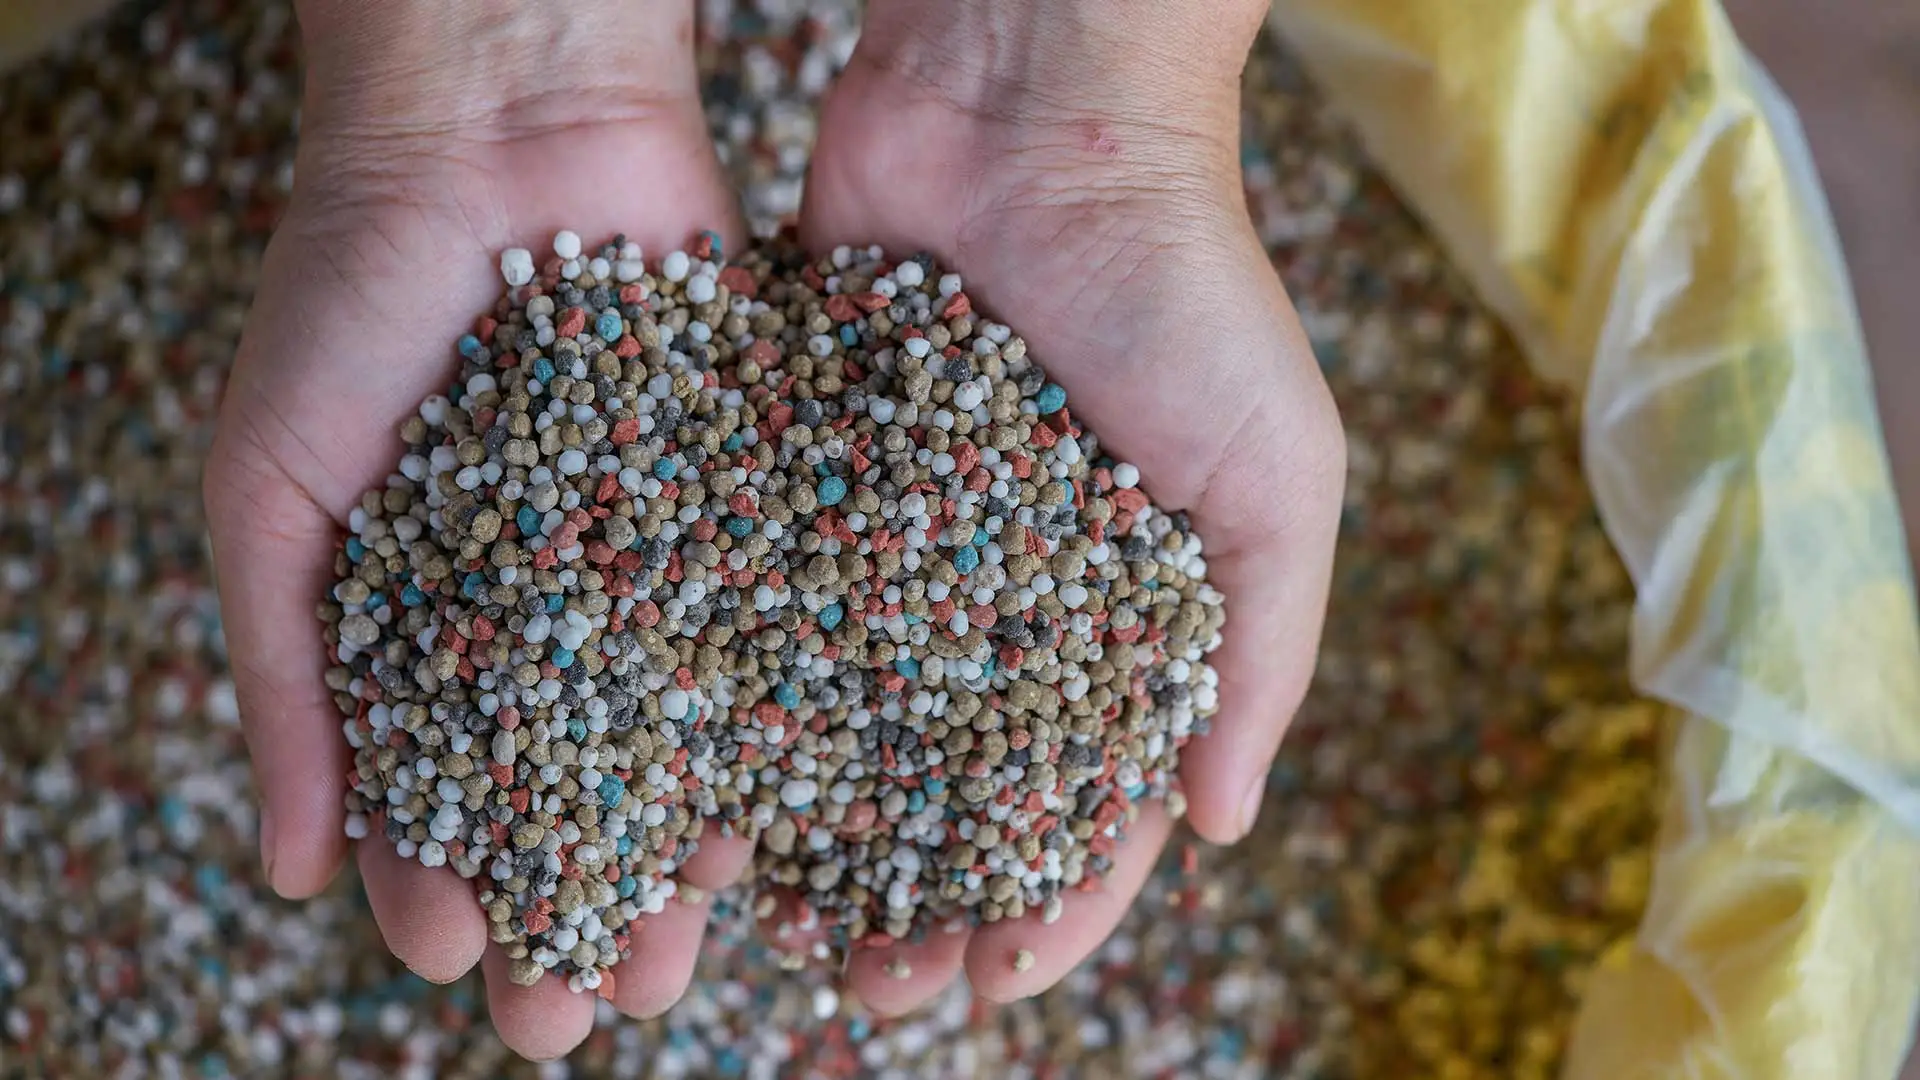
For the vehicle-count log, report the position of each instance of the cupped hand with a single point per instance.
(1078, 163)
(430, 143)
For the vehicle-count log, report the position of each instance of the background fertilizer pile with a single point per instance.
(1457, 826)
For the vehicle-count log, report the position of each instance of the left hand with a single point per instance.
(1078, 163)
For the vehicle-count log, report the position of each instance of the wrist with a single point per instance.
(1164, 64)
(403, 67)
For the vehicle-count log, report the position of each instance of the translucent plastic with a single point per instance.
(1629, 192)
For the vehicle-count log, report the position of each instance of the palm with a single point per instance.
(1135, 278)
(361, 274)
(1088, 272)
(374, 266)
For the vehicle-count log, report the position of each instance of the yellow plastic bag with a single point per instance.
(27, 26)
(1627, 190)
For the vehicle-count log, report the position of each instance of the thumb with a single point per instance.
(272, 554)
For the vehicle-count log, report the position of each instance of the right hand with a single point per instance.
(1077, 162)
(429, 143)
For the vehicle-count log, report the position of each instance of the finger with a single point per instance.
(1274, 565)
(898, 979)
(428, 917)
(995, 953)
(1265, 662)
(659, 966)
(1270, 512)
(720, 861)
(273, 557)
(539, 1022)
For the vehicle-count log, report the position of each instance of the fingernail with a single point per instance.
(1250, 805)
(266, 841)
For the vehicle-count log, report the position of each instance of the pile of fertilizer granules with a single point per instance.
(1457, 828)
(807, 549)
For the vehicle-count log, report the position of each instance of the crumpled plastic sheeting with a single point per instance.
(1629, 192)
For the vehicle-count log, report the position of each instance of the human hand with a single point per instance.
(430, 142)
(1078, 163)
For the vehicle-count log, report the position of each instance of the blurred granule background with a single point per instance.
(1851, 67)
